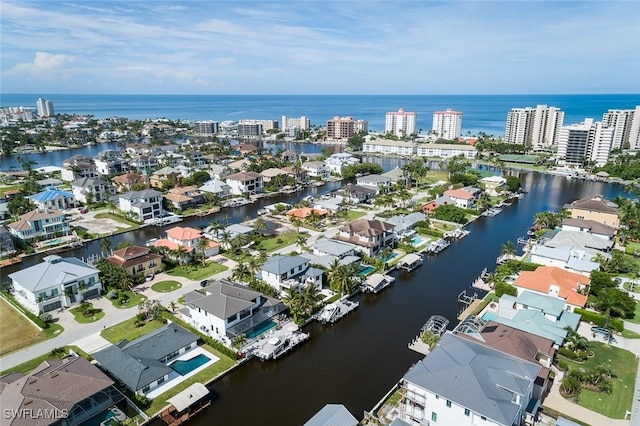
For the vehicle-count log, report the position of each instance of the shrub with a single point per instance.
(504, 288)
(112, 294)
(599, 319)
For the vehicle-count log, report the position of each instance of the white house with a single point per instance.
(54, 198)
(245, 182)
(216, 187)
(316, 169)
(492, 184)
(377, 182)
(146, 204)
(338, 161)
(55, 283)
(40, 223)
(462, 198)
(100, 189)
(445, 150)
(224, 310)
(284, 272)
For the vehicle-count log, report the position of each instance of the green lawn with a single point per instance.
(223, 364)
(9, 188)
(134, 299)
(128, 330)
(632, 247)
(166, 286)
(636, 316)
(96, 314)
(27, 366)
(354, 214)
(117, 219)
(276, 243)
(197, 272)
(625, 364)
(630, 334)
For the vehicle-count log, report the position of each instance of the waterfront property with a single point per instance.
(55, 283)
(597, 209)
(445, 150)
(54, 199)
(136, 260)
(98, 188)
(216, 187)
(316, 169)
(591, 227)
(461, 198)
(283, 272)
(369, 236)
(186, 239)
(130, 181)
(493, 185)
(184, 197)
(146, 204)
(332, 415)
(245, 183)
(571, 258)
(404, 225)
(555, 282)
(381, 184)
(40, 224)
(166, 176)
(387, 146)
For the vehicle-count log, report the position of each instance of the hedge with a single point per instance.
(599, 319)
(429, 231)
(208, 340)
(36, 319)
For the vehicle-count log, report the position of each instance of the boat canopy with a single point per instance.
(189, 396)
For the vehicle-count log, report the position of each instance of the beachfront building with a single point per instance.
(400, 123)
(245, 183)
(462, 382)
(265, 125)
(447, 124)
(340, 128)
(205, 127)
(552, 281)
(54, 198)
(284, 272)
(301, 123)
(45, 108)
(387, 146)
(224, 310)
(136, 260)
(130, 182)
(588, 141)
(316, 169)
(145, 205)
(99, 189)
(634, 133)
(369, 236)
(381, 184)
(597, 209)
(361, 126)
(41, 224)
(621, 121)
(444, 150)
(54, 283)
(538, 127)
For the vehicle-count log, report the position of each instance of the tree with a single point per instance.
(105, 245)
(508, 249)
(355, 142)
(260, 225)
(20, 205)
(502, 288)
(512, 183)
(350, 172)
(241, 273)
(58, 353)
(297, 222)
(457, 164)
(450, 213)
(301, 241)
(90, 198)
(203, 246)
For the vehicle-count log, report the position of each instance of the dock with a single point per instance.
(467, 312)
(410, 262)
(186, 404)
(9, 262)
(375, 283)
(481, 284)
(438, 245)
(333, 312)
(458, 233)
(277, 342)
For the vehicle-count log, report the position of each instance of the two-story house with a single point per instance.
(136, 260)
(369, 236)
(166, 176)
(185, 197)
(130, 182)
(100, 190)
(337, 162)
(493, 185)
(461, 197)
(381, 184)
(38, 223)
(189, 239)
(110, 163)
(217, 188)
(597, 209)
(224, 310)
(283, 272)
(54, 283)
(245, 183)
(146, 204)
(54, 198)
(570, 287)
(316, 169)
(77, 167)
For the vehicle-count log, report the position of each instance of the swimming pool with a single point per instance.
(388, 258)
(417, 241)
(184, 367)
(260, 328)
(366, 270)
(488, 316)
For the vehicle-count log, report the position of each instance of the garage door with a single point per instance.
(51, 307)
(91, 293)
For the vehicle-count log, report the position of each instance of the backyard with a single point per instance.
(197, 272)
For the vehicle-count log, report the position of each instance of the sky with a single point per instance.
(319, 47)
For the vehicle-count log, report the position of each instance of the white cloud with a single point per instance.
(43, 62)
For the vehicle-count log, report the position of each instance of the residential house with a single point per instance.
(54, 283)
(77, 167)
(297, 173)
(444, 150)
(591, 227)
(579, 239)
(146, 204)
(217, 188)
(555, 282)
(101, 190)
(399, 176)
(166, 176)
(404, 225)
(143, 364)
(229, 232)
(54, 198)
(461, 198)
(305, 212)
(571, 258)
(217, 171)
(597, 209)
(240, 164)
(269, 174)
(357, 194)
(44, 183)
(316, 169)
(245, 148)
(381, 184)
(462, 382)
(387, 146)
(40, 223)
(110, 163)
(185, 197)
(430, 207)
(370, 236)
(136, 260)
(289, 156)
(332, 415)
(337, 162)
(64, 392)
(7, 248)
(493, 185)
(130, 182)
(188, 238)
(283, 272)
(245, 183)
(143, 163)
(224, 310)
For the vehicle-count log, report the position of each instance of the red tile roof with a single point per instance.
(543, 277)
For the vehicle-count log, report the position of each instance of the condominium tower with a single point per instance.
(587, 141)
(400, 123)
(537, 126)
(340, 128)
(45, 108)
(206, 127)
(447, 124)
(622, 122)
(302, 123)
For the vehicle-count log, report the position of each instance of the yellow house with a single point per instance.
(597, 209)
(137, 260)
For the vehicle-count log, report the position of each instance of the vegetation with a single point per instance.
(16, 331)
(343, 279)
(606, 297)
(57, 353)
(502, 288)
(352, 171)
(513, 183)
(196, 272)
(86, 313)
(302, 303)
(624, 166)
(166, 286)
(272, 244)
(430, 338)
(128, 330)
(451, 213)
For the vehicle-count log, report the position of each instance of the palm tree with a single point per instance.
(508, 249)
(181, 255)
(203, 246)
(241, 272)
(293, 299)
(105, 245)
(111, 205)
(173, 306)
(57, 353)
(125, 282)
(253, 265)
(342, 281)
(301, 241)
(296, 222)
(575, 342)
(260, 225)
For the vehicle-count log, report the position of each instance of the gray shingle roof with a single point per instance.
(147, 193)
(54, 270)
(333, 247)
(332, 415)
(281, 264)
(474, 376)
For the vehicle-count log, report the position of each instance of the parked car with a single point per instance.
(204, 283)
(83, 211)
(149, 277)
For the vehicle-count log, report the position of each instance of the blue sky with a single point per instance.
(320, 47)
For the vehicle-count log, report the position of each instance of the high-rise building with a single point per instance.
(621, 120)
(537, 126)
(303, 122)
(361, 126)
(45, 108)
(206, 127)
(587, 141)
(400, 123)
(447, 124)
(249, 130)
(634, 133)
(340, 128)
(265, 124)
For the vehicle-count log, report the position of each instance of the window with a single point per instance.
(467, 412)
(448, 404)
(160, 380)
(434, 416)
(483, 418)
(437, 396)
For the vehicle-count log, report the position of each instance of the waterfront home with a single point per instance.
(110, 163)
(54, 198)
(71, 388)
(404, 225)
(240, 164)
(283, 272)
(493, 185)
(332, 415)
(337, 162)
(462, 382)
(217, 171)
(571, 258)
(555, 282)
(40, 223)
(399, 176)
(339, 249)
(369, 236)
(166, 176)
(144, 363)
(579, 239)
(595, 208)
(228, 232)
(443, 150)
(430, 207)
(44, 183)
(245, 183)
(136, 260)
(272, 173)
(245, 148)
(381, 184)
(387, 146)
(357, 194)
(224, 310)
(306, 212)
(146, 204)
(298, 174)
(185, 197)
(461, 198)
(54, 283)
(188, 238)
(77, 167)
(289, 156)
(316, 169)
(7, 248)
(591, 227)
(130, 182)
(143, 163)
(217, 188)
(332, 204)
(100, 190)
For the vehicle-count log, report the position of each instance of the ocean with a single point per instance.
(481, 113)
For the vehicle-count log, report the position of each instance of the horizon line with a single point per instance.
(320, 94)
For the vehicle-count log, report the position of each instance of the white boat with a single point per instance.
(336, 310)
(279, 342)
(438, 246)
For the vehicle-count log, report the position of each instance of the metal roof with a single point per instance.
(281, 264)
(332, 415)
(53, 271)
(188, 397)
(51, 193)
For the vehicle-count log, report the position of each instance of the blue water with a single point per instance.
(366, 270)
(417, 241)
(260, 328)
(488, 316)
(391, 256)
(184, 367)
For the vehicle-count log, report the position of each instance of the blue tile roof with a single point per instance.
(49, 194)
